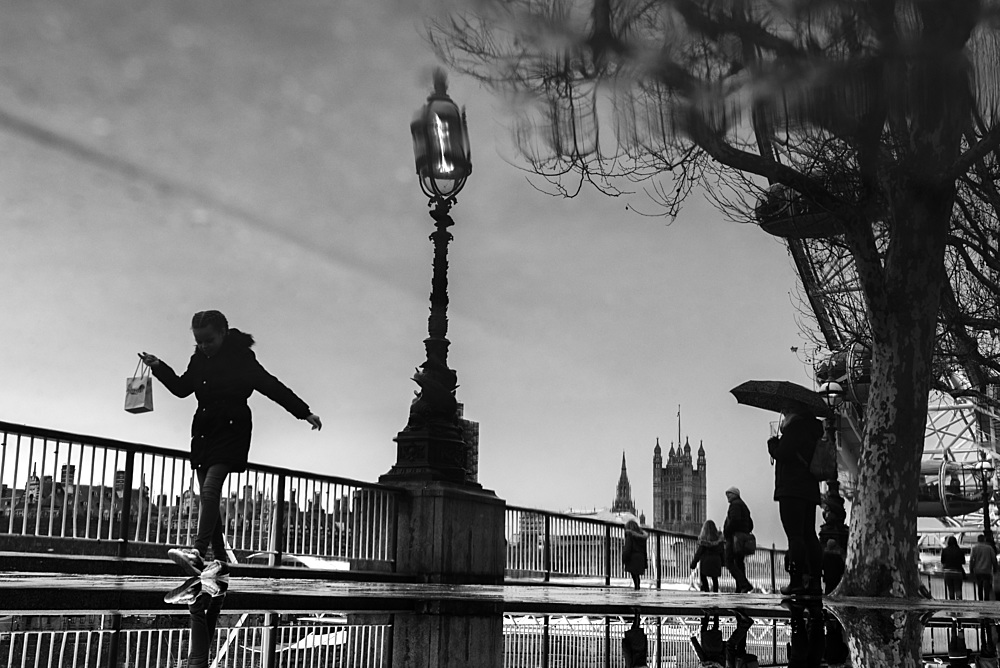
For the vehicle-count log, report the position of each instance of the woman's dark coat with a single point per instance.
(792, 452)
(634, 552)
(953, 559)
(220, 430)
(709, 554)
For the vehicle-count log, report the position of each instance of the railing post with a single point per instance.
(270, 640)
(547, 549)
(545, 643)
(659, 561)
(607, 555)
(659, 639)
(125, 523)
(774, 641)
(774, 581)
(277, 547)
(607, 642)
(114, 646)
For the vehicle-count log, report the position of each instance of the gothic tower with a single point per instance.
(679, 488)
(623, 493)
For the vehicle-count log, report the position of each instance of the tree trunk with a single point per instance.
(883, 638)
(903, 298)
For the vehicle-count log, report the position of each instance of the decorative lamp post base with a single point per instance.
(433, 454)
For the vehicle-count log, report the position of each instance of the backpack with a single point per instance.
(823, 465)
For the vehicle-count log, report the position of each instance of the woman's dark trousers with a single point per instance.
(204, 615)
(210, 523)
(805, 554)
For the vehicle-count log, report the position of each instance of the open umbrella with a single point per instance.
(773, 395)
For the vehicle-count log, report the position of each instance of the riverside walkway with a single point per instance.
(31, 593)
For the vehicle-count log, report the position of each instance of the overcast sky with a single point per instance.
(254, 157)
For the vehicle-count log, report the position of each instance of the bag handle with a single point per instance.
(146, 372)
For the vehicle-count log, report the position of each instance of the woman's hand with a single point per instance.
(150, 360)
(314, 420)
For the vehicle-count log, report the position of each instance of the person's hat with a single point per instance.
(735, 491)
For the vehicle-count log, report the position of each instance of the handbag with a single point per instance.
(139, 390)
(744, 542)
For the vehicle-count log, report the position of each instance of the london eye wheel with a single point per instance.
(957, 489)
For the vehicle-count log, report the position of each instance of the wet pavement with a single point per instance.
(31, 593)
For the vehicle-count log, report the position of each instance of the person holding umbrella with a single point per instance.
(795, 488)
(797, 494)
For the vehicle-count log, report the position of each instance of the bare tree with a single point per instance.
(878, 113)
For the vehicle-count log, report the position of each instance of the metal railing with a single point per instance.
(108, 496)
(138, 499)
(574, 641)
(309, 641)
(547, 547)
(241, 641)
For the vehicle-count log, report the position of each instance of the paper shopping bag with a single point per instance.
(139, 390)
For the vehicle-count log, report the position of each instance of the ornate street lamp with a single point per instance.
(431, 446)
(833, 395)
(985, 469)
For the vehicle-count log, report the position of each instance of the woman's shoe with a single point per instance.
(215, 569)
(187, 558)
(186, 593)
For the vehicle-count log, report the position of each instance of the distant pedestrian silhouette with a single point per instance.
(635, 645)
(634, 551)
(953, 563)
(982, 563)
(833, 565)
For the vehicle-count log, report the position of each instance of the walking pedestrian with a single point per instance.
(996, 579)
(634, 551)
(953, 563)
(635, 646)
(738, 520)
(710, 552)
(710, 647)
(833, 565)
(222, 373)
(982, 562)
(797, 494)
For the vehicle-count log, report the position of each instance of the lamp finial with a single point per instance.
(440, 81)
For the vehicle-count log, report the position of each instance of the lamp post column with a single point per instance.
(834, 514)
(430, 446)
(987, 525)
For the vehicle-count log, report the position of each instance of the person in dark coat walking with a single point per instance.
(711, 549)
(982, 563)
(635, 646)
(797, 494)
(738, 520)
(953, 564)
(222, 373)
(833, 565)
(634, 551)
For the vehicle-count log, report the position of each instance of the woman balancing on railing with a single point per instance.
(223, 372)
